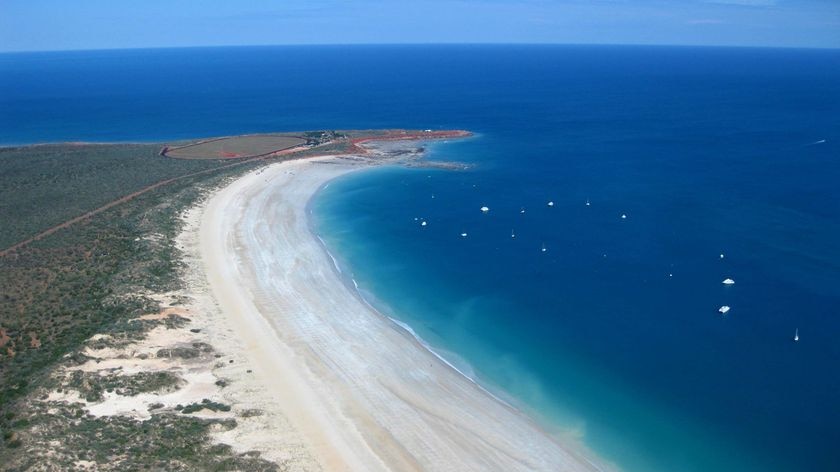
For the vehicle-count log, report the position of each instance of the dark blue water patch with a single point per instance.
(612, 333)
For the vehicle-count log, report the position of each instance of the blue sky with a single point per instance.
(105, 24)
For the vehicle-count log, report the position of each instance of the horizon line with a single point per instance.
(222, 46)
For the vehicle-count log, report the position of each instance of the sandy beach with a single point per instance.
(354, 390)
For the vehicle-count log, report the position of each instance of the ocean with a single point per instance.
(723, 162)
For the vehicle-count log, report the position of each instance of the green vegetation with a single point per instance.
(92, 386)
(166, 441)
(42, 186)
(86, 279)
(204, 405)
(185, 352)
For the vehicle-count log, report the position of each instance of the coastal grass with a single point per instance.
(93, 277)
(166, 441)
(92, 386)
(44, 185)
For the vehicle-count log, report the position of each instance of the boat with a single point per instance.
(463, 235)
(587, 202)
(551, 204)
(728, 282)
(796, 336)
(512, 234)
(543, 248)
(485, 209)
(723, 310)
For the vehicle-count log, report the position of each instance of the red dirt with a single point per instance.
(221, 154)
(401, 135)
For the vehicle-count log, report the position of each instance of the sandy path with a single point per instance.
(362, 391)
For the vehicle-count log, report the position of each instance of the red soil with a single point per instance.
(402, 135)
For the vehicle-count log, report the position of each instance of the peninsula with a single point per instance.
(229, 322)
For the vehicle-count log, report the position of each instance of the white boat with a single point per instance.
(463, 235)
(587, 202)
(623, 216)
(551, 204)
(728, 282)
(512, 234)
(543, 248)
(796, 336)
(522, 210)
(485, 209)
(723, 310)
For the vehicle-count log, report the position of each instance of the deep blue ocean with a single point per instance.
(612, 335)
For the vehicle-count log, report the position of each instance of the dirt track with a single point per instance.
(131, 196)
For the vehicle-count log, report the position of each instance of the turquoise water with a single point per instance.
(612, 334)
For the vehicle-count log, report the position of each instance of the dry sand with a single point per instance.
(340, 385)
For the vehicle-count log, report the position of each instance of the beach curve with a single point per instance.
(362, 390)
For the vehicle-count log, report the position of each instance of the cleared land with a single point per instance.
(236, 147)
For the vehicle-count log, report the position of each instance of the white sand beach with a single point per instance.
(359, 392)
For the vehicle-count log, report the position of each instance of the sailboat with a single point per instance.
(796, 336)
(544, 249)
(512, 234)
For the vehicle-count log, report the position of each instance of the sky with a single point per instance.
(33, 25)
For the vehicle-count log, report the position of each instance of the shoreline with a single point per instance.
(285, 298)
(353, 286)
